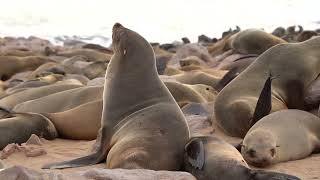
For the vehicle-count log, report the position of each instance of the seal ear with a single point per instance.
(263, 106)
(269, 175)
(195, 153)
(228, 77)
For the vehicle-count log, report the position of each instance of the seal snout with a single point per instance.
(116, 26)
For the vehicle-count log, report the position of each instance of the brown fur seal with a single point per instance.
(184, 93)
(11, 65)
(79, 123)
(61, 101)
(92, 55)
(12, 100)
(254, 41)
(295, 65)
(138, 124)
(199, 77)
(18, 129)
(209, 158)
(282, 136)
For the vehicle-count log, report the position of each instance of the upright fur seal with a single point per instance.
(140, 118)
(295, 66)
(282, 136)
(209, 158)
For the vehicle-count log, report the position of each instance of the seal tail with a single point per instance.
(228, 77)
(269, 175)
(264, 103)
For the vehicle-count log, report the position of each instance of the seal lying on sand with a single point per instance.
(12, 100)
(209, 158)
(61, 101)
(282, 136)
(140, 118)
(18, 129)
(11, 65)
(295, 66)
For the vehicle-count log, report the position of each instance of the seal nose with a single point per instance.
(252, 153)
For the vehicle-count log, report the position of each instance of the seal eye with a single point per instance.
(252, 153)
(273, 152)
(207, 89)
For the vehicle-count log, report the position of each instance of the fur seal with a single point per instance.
(254, 41)
(11, 65)
(209, 158)
(92, 55)
(79, 123)
(295, 65)
(12, 100)
(282, 136)
(138, 124)
(61, 101)
(184, 93)
(199, 77)
(18, 129)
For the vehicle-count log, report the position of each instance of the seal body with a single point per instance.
(61, 101)
(209, 158)
(295, 66)
(254, 41)
(18, 129)
(140, 118)
(282, 136)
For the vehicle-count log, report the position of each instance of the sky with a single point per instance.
(158, 21)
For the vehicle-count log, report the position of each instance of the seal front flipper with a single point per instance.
(195, 153)
(269, 175)
(228, 77)
(263, 106)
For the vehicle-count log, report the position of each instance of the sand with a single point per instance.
(61, 149)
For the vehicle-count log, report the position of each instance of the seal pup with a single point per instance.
(140, 118)
(282, 136)
(209, 158)
(296, 66)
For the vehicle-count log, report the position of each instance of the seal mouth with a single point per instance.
(261, 163)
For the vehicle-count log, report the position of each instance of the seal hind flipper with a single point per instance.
(270, 175)
(91, 159)
(228, 77)
(264, 103)
(195, 152)
(96, 157)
